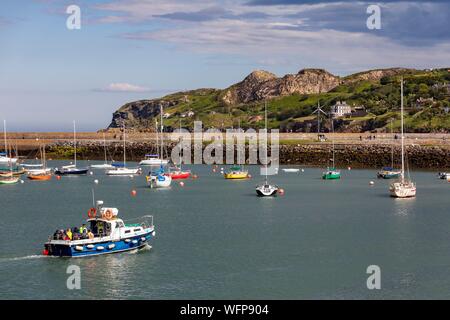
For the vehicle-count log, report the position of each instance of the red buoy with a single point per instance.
(45, 252)
(133, 193)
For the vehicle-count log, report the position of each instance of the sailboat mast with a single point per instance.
(124, 147)
(104, 145)
(267, 142)
(4, 134)
(162, 132)
(403, 138)
(75, 143)
(332, 138)
(392, 146)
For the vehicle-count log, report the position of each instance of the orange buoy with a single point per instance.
(281, 192)
(45, 252)
(92, 213)
(133, 193)
(181, 184)
(194, 176)
(249, 176)
(58, 177)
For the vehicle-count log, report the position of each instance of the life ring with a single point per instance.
(92, 213)
(108, 214)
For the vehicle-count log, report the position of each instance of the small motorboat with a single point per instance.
(236, 173)
(266, 190)
(444, 175)
(291, 170)
(107, 234)
(388, 173)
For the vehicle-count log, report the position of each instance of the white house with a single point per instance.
(340, 109)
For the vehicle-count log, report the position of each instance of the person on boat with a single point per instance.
(84, 234)
(90, 235)
(69, 234)
(82, 228)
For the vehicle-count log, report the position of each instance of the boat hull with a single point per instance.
(266, 192)
(236, 175)
(7, 181)
(159, 181)
(99, 247)
(331, 176)
(180, 175)
(42, 177)
(399, 190)
(123, 172)
(153, 162)
(73, 172)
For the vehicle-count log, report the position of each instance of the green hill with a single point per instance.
(292, 98)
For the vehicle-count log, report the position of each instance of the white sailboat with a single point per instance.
(122, 170)
(5, 158)
(154, 159)
(160, 178)
(403, 188)
(105, 165)
(72, 169)
(9, 177)
(266, 189)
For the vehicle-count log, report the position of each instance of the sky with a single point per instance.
(128, 50)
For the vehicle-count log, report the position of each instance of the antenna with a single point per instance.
(318, 111)
(93, 197)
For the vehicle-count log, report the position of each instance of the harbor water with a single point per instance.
(215, 239)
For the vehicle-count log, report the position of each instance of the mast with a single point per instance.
(332, 138)
(318, 121)
(104, 144)
(4, 134)
(392, 147)
(403, 138)
(157, 135)
(75, 143)
(124, 147)
(162, 133)
(267, 142)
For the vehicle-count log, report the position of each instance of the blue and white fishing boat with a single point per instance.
(107, 234)
(159, 179)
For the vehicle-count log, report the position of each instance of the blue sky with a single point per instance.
(129, 49)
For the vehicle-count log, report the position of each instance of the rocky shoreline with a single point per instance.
(354, 155)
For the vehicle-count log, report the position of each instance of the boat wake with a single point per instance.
(147, 247)
(30, 257)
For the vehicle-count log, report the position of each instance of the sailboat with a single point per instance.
(236, 172)
(122, 170)
(332, 173)
(43, 174)
(154, 159)
(5, 159)
(105, 165)
(160, 178)
(389, 172)
(72, 169)
(9, 177)
(266, 189)
(403, 188)
(177, 173)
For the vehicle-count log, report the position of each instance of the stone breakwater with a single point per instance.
(354, 155)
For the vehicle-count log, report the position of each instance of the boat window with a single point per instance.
(138, 229)
(119, 224)
(127, 231)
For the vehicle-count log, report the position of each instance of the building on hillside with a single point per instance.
(359, 112)
(188, 114)
(340, 109)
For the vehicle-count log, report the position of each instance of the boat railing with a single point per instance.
(144, 221)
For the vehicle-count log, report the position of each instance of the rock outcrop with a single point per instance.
(261, 85)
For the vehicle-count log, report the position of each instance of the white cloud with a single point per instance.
(123, 87)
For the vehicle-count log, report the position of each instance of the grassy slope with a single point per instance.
(381, 98)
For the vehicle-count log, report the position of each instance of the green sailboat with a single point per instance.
(332, 173)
